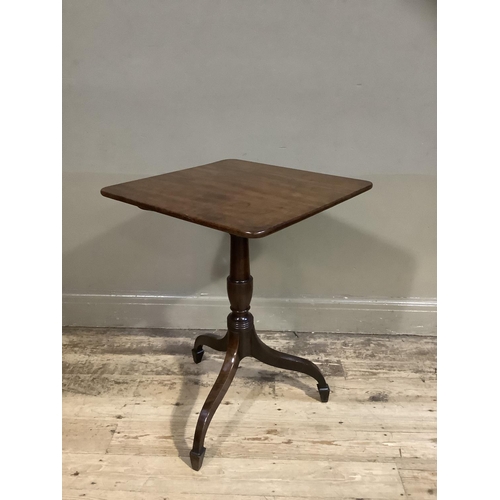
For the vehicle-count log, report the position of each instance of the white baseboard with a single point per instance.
(340, 315)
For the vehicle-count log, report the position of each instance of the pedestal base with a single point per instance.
(241, 341)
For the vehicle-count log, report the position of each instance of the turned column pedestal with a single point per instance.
(240, 341)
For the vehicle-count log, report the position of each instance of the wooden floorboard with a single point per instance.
(131, 398)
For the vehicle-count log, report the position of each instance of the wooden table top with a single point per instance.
(239, 197)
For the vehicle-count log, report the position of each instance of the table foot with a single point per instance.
(324, 393)
(209, 340)
(197, 354)
(215, 396)
(197, 458)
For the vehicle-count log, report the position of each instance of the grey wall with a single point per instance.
(341, 87)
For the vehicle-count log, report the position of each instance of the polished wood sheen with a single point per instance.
(240, 341)
(239, 197)
(246, 200)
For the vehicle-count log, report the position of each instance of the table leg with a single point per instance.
(226, 375)
(210, 340)
(269, 356)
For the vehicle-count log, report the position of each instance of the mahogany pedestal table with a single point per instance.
(246, 200)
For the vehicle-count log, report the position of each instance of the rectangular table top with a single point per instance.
(239, 197)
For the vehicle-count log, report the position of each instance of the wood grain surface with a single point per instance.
(131, 397)
(239, 197)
